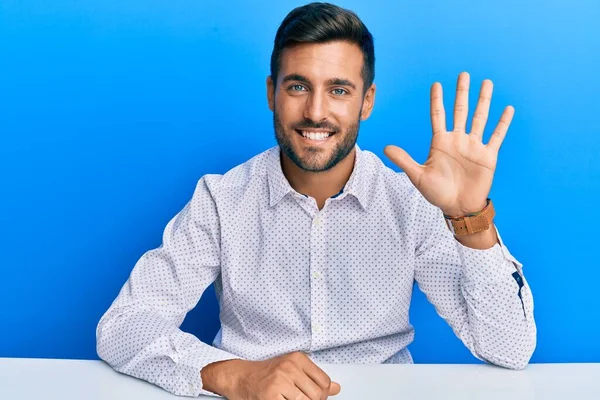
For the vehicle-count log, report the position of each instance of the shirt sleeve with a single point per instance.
(139, 334)
(482, 294)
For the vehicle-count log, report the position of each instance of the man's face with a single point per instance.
(318, 103)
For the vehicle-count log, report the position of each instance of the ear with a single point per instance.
(368, 102)
(271, 93)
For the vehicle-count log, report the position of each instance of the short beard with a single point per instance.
(340, 151)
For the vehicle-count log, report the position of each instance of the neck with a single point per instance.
(319, 185)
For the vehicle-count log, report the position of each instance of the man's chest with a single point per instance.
(299, 268)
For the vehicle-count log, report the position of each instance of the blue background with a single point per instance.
(110, 111)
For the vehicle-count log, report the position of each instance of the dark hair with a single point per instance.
(321, 23)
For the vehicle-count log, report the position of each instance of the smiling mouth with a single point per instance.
(314, 135)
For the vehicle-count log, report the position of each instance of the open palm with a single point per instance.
(458, 174)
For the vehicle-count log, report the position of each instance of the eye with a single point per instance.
(297, 88)
(340, 91)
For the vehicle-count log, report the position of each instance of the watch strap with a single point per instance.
(468, 225)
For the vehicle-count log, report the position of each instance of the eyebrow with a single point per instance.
(332, 81)
(341, 82)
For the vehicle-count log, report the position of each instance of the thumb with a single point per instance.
(334, 388)
(402, 159)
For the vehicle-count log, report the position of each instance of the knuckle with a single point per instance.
(460, 107)
(272, 394)
(297, 355)
(286, 364)
(271, 387)
(318, 394)
(279, 373)
(285, 360)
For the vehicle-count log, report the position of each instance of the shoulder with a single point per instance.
(238, 178)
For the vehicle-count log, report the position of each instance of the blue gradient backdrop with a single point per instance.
(110, 111)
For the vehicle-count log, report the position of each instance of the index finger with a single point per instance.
(498, 136)
(320, 377)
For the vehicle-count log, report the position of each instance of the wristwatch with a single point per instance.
(472, 223)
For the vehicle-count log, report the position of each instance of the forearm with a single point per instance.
(478, 287)
(139, 335)
(143, 344)
(500, 326)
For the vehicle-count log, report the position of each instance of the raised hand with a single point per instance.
(457, 176)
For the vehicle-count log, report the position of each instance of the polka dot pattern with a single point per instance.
(335, 283)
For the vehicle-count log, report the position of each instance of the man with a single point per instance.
(313, 245)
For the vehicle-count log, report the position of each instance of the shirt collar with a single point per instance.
(278, 183)
(359, 184)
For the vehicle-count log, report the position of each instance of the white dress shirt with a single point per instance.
(335, 283)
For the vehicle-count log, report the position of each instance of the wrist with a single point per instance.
(221, 377)
(471, 225)
(462, 213)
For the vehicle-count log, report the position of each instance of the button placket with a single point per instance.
(317, 297)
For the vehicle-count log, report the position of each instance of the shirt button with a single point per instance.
(316, 274)
(318, 328)
(317, 221)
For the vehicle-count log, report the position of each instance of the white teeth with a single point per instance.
(316, 135)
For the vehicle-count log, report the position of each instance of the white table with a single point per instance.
(51, 379)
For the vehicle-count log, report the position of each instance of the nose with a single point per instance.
(316, 107)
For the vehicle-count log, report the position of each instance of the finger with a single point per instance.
(293, 393)
(334, 389)
(438, 114)
(402, 159)
(482, 110)
(309, 387)
(461, 103)
(321, 379)
(501, 129)
(316, 374)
